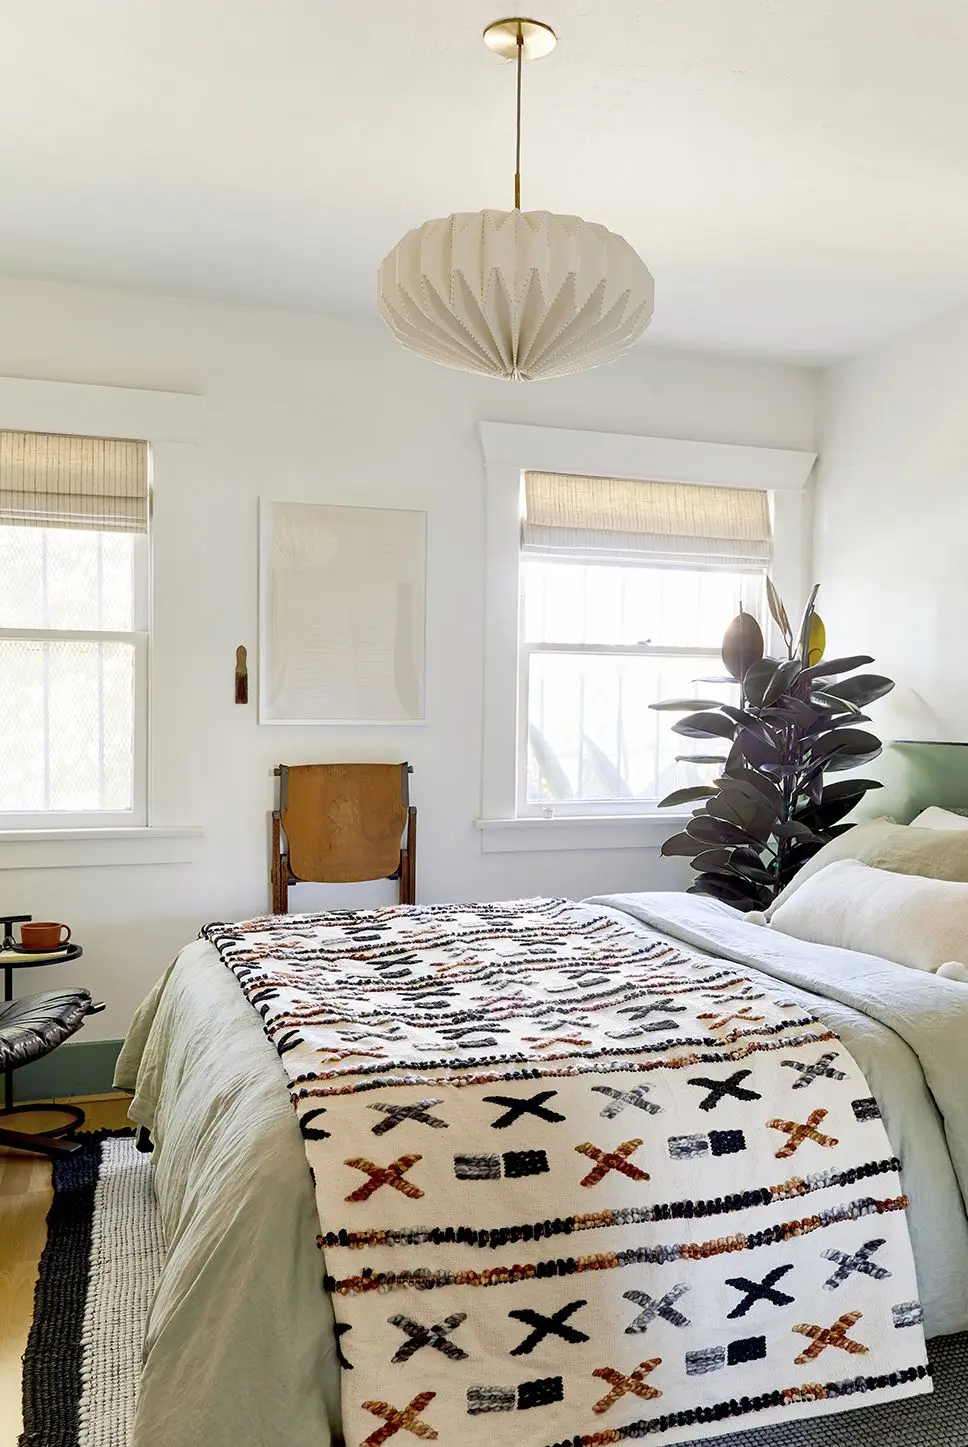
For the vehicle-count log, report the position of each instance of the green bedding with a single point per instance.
(239, 1348)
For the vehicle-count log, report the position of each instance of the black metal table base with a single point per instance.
(48, 1142)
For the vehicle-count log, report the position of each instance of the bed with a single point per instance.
(240, 1344)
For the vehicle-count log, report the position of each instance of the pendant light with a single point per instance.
(515, 294)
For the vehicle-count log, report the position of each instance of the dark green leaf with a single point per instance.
(734, 883)
(736, 807)
(700, 758)
(812, 787)
(839, 762)
(831, 666)
(757, 752)
(849, 788)
(856, 741)
(782, 681)
(751, 779)
(827, 719)
(831, 701)
(794, 859)
(731, 889)
(745, 863)
(822, 816)
(752, 872)
(740, 716)
(793, 829)
(687, 796)
(735, 759)
(758, 679)
(863, 689)
(845, 749)
(707, 830)
(705, 726)
(679, 844)
(684, 705)
(800, 712)
(712, 859)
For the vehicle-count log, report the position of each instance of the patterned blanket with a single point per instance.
(578, 1184)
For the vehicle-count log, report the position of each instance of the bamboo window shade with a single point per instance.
(667, 522)
(96, 483)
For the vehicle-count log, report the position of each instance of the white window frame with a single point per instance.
(705, 658)
(140, 637)
(509, 451)
(172, 423)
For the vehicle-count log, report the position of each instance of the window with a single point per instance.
(626, 591)
(73, 631)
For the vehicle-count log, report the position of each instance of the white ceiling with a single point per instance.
(794, 172)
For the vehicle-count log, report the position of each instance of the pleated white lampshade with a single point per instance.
(515, 294)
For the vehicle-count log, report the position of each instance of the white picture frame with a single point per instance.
(342, 614)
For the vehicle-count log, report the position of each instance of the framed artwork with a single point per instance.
(342, 614)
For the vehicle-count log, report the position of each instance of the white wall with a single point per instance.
(309, 408)
(891, 522)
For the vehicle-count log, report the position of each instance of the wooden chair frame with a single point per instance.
(281, 876)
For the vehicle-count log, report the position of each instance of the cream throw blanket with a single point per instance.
(579, 1184)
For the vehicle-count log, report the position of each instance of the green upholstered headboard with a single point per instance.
(915, 774)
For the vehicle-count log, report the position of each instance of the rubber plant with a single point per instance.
(798, 719)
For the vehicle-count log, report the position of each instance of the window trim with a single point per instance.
(509, 450)
(172, 423)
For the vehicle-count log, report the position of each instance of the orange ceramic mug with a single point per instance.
(44, 935)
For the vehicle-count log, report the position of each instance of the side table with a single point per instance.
(30, 1029)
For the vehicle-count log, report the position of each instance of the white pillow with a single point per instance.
(935, 818)
(953, 970)
(914, 921)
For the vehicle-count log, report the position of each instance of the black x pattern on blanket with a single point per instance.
(577, 1183)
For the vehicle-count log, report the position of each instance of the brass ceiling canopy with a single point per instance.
(533, 37)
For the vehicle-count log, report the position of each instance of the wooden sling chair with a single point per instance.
(341, 824)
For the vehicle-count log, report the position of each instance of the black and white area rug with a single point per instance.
(98, 1272)
(97, 1276)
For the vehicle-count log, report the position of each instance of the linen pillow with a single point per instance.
(921, 923)
(899, 848)
(935, 818)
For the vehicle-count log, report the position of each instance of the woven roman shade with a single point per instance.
(48, 481)
(671, 522)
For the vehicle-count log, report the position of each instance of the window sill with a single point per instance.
(590, 831)
(27, 849)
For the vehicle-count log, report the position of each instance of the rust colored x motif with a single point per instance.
(620, 1384)
(829, 1336)
(393, 1421)
(719, 1022)
(616, 1160)
(797, 1133)
(391, 1175)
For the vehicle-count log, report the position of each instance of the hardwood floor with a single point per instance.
(25, 1197)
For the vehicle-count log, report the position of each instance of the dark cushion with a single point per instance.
(36, 1024)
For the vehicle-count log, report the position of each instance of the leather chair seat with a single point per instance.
(36, 1024)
